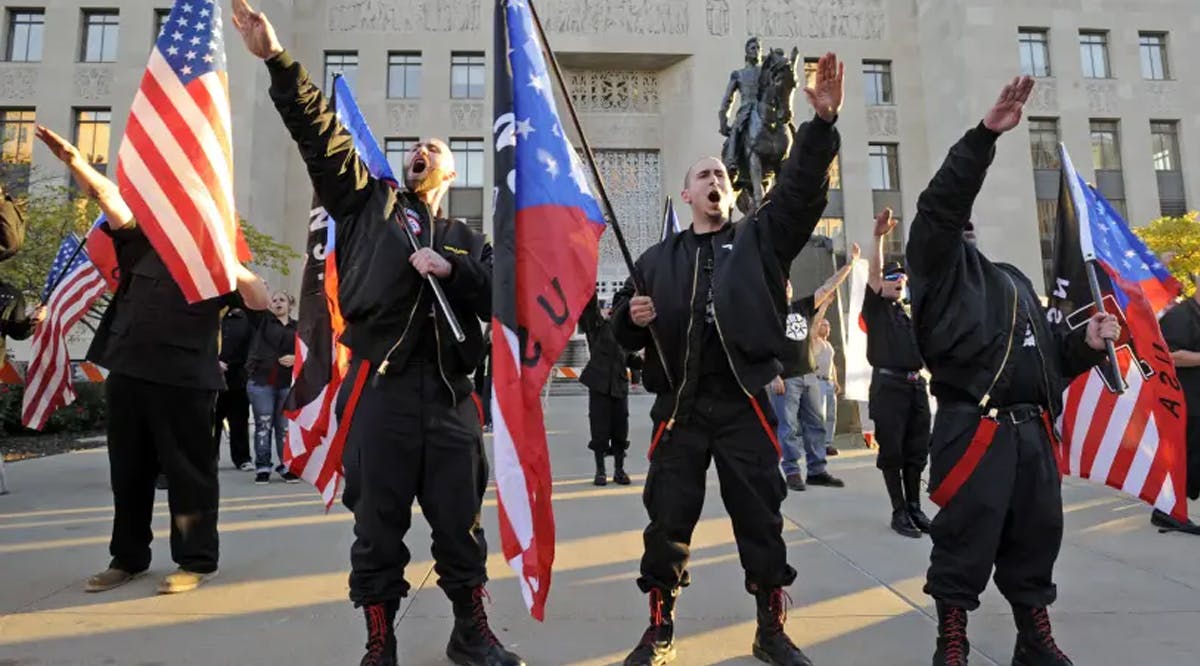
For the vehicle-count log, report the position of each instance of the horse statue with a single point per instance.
(768, 148)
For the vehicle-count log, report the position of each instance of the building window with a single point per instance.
(878, 77)
(1153, 46)
(26, 27)
(16, 130)
(160, 21)
(1034, 44)
(404, 75)
(397, 154)
(1106, 146)
(466, 75)
(1164, 142)
(344, 63)
(1047, 214)
(893, 245)
(101, 30)
(92, 136)
(810, 72)
(1093, 49)
(465, 199)
(1043, 142)
(883, 164)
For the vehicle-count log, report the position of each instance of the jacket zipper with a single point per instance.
(688, 344)
(721, 336)
(383, 366)
(987, 396)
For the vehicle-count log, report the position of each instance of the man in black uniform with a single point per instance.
(233, 405)
(898, 401)
(163, 377)
(1181, 331)
(607, 378)
(999, 371)
(716, 296)
(417, 405)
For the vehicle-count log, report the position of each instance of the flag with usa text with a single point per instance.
(174, 167)
(547, 228)
(71, 289)
(1131, 441)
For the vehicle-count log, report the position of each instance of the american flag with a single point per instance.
(1131, 441)
(48, 379)
(174, 167)
(547, 227)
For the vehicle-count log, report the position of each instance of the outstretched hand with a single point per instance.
(1006, 113)
(828, 88)
(855, 252)
(884, 223)
(257, 31)
(64, 150)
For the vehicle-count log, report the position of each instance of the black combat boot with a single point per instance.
(952, 644)
(657, 646)
(771, 644)
(619, 476)
(902, 522)
(601, 475)
(472, 643)
(1035, 642)
(381, 638)
(912, 492)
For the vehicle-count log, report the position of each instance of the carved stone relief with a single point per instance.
(633, 179)
(18, 83)
(1162, 96)
(620, 91)
(466, 116)
(817, 19)
(93, 83)
(882, 122)
(717, 13)
(634, 17)
(404, 15)
(1045, 96)
(1101, 96)
(403, 116)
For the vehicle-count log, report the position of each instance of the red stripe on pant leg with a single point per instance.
(1060, 456)
(658, 433)
(967, 463)
(478, 407)
(762, 418)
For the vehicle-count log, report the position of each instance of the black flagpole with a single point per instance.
(1118, 381)
(634, 274)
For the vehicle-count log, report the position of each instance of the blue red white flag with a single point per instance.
(547, 228)
(1132, 441)
(670, 221)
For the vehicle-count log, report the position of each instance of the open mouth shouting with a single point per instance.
(714, 197)
(419, 165)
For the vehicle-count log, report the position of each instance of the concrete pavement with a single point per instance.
(1127, 594)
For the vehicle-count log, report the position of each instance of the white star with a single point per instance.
(187, 7)
(524, 128)
(191, 55)
(182, 21)
(577, 174)
(208, 58)
(556, 130)
(551, 164)
(199, 25)
(195, 41)
(186, 70)
(171, 50)
(177, 36)
(212, 46)
(204, 12)
(537, 84)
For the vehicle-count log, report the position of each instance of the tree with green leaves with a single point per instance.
(1177, 240)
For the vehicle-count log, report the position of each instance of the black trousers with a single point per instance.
(900, 409)
(151, 427)
(738, 437)
(408, 441)
(609, 419)
(233, 406)
(1008, 514)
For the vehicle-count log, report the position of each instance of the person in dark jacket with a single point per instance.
(898, 399)
(233, 406)
(715, 295)
(1181, 331)
(998, 372)
(416, 406)
(269, 377)
(163, 377)
(607, 378)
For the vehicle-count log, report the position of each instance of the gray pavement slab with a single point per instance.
(1127, 594)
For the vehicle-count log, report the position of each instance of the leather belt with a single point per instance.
(911, 376)
(1018, 413)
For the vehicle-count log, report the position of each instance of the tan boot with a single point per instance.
(110, 579)
(183, 581)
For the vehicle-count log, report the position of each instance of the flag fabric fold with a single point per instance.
(547, 228)
(175, 165)
(72, 287)
(1134, 441)
(670, 221)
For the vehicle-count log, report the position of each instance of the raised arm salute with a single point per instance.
(417, 405)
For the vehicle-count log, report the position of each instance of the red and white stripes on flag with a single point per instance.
(48, 377)
(174, 167)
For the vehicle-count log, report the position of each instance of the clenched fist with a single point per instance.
(641, 311)
(428, 262)
(1101, 328)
